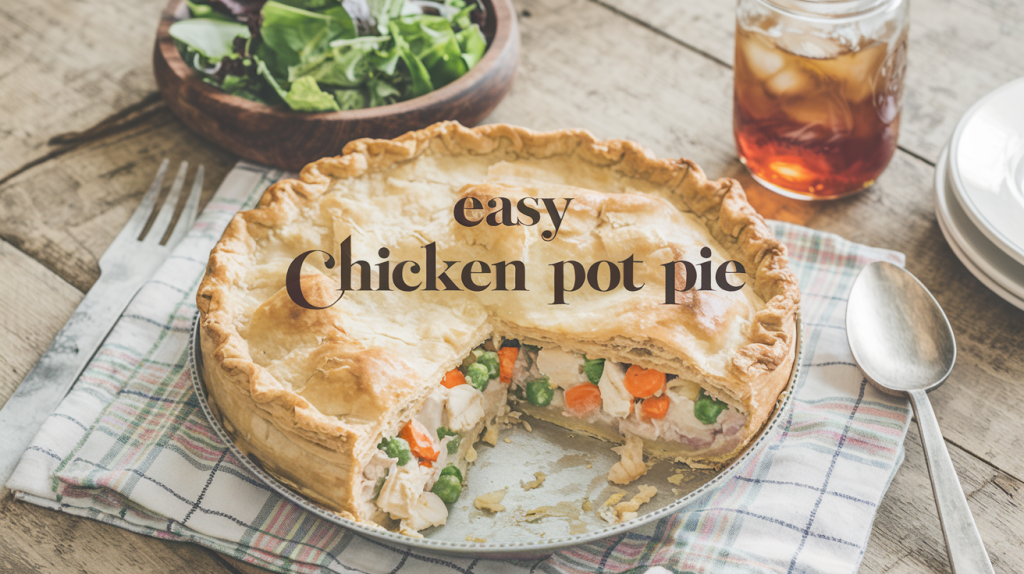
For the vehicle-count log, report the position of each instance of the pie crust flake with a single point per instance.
(311, 393)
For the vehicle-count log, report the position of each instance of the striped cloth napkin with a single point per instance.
(130, 446)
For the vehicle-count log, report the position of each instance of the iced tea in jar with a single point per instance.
(818, 92)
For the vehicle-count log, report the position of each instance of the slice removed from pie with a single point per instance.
(371, 404)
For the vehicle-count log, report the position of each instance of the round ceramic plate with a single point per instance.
(996, 264)
(538, 521)
(990, 265)
(986, 165)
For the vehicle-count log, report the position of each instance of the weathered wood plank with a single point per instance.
(36, 305)
(66, 211)
(959, 51)
(35, 540)
(68, 65)
(243, 567)
(907, 536)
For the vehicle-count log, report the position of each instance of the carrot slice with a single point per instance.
(419, 440)
(506, 361)
(655, 407)
(582, 399)
(427, 463)
(643, 383)
(453, 378)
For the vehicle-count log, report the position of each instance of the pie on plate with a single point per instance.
(369, 401)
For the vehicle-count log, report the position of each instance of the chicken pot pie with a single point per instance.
(370, 403)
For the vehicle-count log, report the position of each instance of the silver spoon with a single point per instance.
(903, 343)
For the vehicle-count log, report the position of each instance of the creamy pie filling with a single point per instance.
(413, 477)
(659, 408)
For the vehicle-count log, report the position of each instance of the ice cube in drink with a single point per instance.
(816, 117)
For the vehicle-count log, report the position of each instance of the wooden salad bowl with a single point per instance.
(289, 140)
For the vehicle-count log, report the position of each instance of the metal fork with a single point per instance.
(131, 260)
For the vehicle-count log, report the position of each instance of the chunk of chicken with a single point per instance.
(465, 408)
(563, 369)
(615, 399)
(428, 511)
(401, 490)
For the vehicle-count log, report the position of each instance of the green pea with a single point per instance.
(453, 445)
(478, 376)
(398, 448)
(540, 392)
(593, 369)
(490, 360)
(707, 409)
(452, 470)
(448, 488)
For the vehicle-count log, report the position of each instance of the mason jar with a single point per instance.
(818, 92)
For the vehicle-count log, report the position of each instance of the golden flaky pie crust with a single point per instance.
(310, 393)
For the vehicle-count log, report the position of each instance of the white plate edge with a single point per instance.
(972, 211)
(954, 234)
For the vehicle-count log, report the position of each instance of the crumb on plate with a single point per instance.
(613, 511)
(539, 476)
(491, 502)
(632, 466)
(491, 435)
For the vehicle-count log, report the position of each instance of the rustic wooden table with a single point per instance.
(655, 71)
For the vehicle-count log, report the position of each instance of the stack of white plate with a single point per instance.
(979, 188)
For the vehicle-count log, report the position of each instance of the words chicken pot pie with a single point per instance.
(369, 401)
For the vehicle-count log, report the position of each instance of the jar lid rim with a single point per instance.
(830, 9)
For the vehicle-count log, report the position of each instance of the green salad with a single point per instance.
(330, 55)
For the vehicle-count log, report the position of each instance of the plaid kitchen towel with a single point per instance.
(130, 446)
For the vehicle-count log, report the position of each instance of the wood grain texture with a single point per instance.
(67, 65)
(34, 540)
(242, 567)
(907, 537)
(65, 212)
(36, 305)
(959, 51)
(290, 140)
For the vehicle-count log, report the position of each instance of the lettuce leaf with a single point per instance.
(432, 40)
(473, 45)
(298, 35)
(310, 55)
(264, 72)
(383, 11)
(206, 11)
(210, 37)
(350, 99)
(382, 93)
(306, 96)
(348, 64)
(311, 5)
(420, 78)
